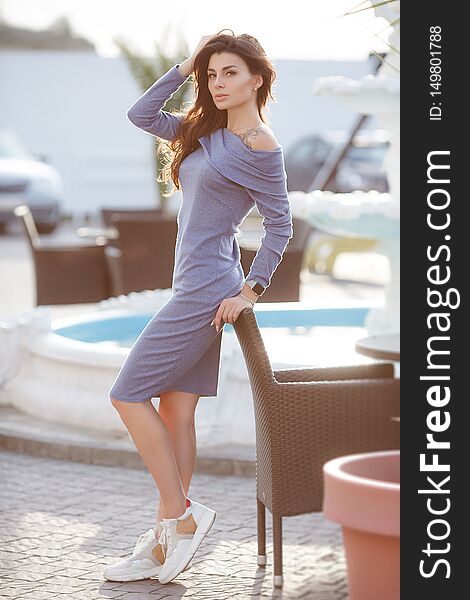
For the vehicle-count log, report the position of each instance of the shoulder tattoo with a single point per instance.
(250, 134)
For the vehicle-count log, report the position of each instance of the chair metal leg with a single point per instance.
(261, 533)
(277, 541)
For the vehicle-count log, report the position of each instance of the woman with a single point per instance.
(227, 160)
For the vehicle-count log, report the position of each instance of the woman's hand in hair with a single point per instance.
(202, 42)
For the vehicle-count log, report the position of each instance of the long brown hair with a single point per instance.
(204, 117)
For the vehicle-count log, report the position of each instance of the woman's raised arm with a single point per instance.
(146, 113)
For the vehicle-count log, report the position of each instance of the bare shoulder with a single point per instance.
(259, 138)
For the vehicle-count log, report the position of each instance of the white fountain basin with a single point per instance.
(66, 377)
(370, 214)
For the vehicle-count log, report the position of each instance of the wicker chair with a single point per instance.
(285, 284)
(107, 215)
(65, 273)
(145, 256)
(305, 417)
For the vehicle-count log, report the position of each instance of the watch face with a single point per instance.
(258, 288)
(255, 286)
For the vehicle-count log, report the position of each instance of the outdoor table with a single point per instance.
(382, 346)
(110, 233)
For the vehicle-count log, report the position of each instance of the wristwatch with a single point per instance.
(255, 286)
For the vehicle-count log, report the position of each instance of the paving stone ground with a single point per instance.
(61, 523)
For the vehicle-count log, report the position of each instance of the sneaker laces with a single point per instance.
(143, 540)
(165, 534)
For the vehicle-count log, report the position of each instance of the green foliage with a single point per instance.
(146, 70)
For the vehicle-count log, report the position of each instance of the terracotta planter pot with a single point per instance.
(362, 493)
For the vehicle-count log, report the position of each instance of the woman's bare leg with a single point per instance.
(177, 409)
(166, 441)
(154, 444)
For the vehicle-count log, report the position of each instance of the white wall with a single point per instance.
(71, 106)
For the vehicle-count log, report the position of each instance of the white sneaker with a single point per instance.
(181, 538)
(146, 560)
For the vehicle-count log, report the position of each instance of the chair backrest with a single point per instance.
(24, 213)
(147, 244)
(108, 213)
(254, 351)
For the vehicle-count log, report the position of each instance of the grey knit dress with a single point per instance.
(220, 181)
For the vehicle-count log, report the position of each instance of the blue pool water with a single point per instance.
(124, 330)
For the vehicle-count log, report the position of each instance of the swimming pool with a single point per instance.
(123, 330)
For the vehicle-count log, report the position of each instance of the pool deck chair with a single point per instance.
(305, 417)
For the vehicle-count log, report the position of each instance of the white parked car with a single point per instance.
(24, 179)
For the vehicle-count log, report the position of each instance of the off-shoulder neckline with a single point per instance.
(234, 135)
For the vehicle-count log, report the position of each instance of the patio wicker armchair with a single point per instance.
(285, 284)
(305, 417)
(145, 254)
(65, 273)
